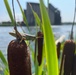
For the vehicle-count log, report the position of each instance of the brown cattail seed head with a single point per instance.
(68, 52)
(39, 45)
(74, 66)
(58, 49)
(18, 58)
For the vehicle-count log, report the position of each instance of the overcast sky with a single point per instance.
(66, 8)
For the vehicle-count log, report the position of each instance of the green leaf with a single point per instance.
(23, 14)
(9, 11)
(6, 72)
(50, 48)
(3, 59)
(36, 17)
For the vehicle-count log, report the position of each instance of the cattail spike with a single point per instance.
(74, 66)
(58, 49)
(19, 58)
(39, 42)
(68, 51)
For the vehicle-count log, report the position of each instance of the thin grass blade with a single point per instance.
(23, 14)
(6, 72)
(9, 11)
(35, 16)
(37, 19)
(3, 59)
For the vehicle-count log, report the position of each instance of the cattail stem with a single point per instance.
(15, 27)
(71, 37)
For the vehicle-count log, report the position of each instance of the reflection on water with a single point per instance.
(5, 38)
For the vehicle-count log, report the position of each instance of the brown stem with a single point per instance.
(71, 36)
(14, 19)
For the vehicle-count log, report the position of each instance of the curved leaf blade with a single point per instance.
(50, 48)
(9, 11)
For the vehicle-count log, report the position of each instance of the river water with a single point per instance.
(5, 38)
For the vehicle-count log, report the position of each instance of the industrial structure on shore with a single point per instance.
(54, 14)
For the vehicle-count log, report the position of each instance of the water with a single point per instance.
(5, 38)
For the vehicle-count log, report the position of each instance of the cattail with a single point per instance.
(18, 58)
(74, 66)
(68, 53)
(58, 49)
(39, 42)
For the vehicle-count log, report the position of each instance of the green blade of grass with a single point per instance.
(23, 14)
(37, 19)
(6, 72)
(9, 11)
(50, 48)
(35, 16)
(3, 59)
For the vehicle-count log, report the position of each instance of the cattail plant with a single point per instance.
(67, 58)
(18, 48)
(74, 66)
(19, 58)
(39, 42)
(18, 54)
(58, 49)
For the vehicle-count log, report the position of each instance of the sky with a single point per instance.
(66, 8)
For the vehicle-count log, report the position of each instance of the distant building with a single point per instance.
(54, 14)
